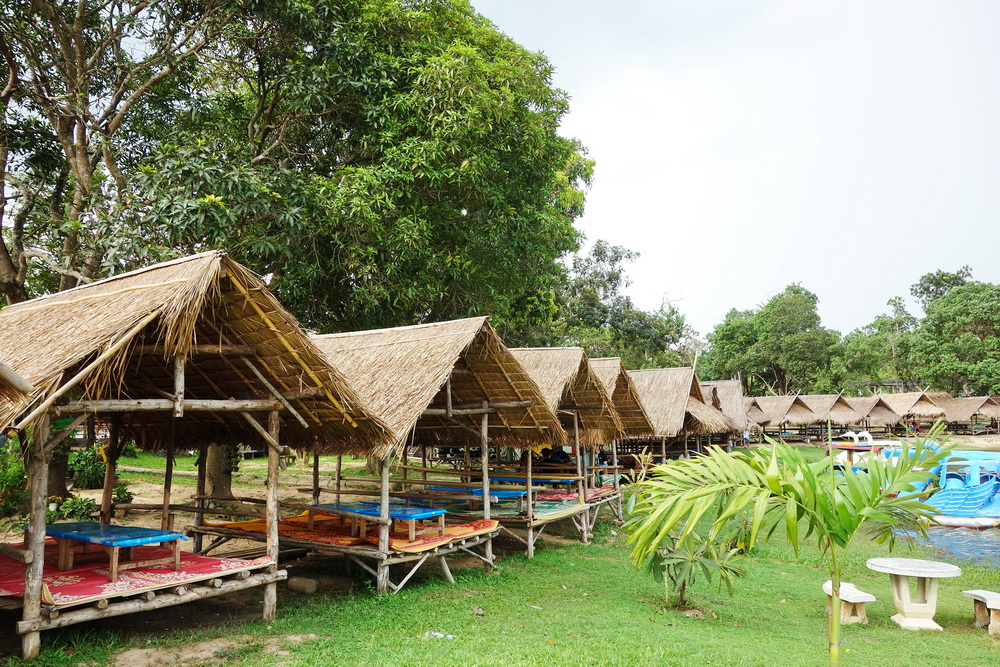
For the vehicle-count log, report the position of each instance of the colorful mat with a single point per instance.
(574, 495)
(329, 529)
(544, 509)
(89, 582)
(399, 541)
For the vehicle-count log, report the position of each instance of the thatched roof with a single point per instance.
(168, 309)
(612, 374)
(731, 402)
(779, 410)
(755, 416)
(964, 409)
(675, 404)
(913, 405)
(401, 372)
(832, 407)
(872, 409)
(569, 384)
(710, 396)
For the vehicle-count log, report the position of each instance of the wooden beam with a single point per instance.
(164, 599)
(61, 436)
(291, 350)
(475, 408)
(263, 432)
(274, 392)
(20, 555)
(10, 376)
(204, 350)
(167, 405)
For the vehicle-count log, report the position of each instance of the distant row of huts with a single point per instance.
(196, 353)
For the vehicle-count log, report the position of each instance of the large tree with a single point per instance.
(588, 308)
(958, 343)
(936, 284)
(384, 162)
(76, 73)
(780, 348)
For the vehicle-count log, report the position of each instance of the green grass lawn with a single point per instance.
(574, 605)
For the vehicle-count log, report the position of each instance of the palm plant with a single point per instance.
(779, 486)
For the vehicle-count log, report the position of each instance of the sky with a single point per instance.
(742, 146)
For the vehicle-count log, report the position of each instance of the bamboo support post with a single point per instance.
(168, 479)
(337, 476)
(531, 509)
(199, 519)
(382, 578)
(271, 510)
(114, 447)
(315, 489)
(38, 479)
(484, 440)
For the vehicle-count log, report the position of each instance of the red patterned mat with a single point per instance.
(89, 581)
(573, 495)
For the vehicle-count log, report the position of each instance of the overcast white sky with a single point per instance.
(745, 145)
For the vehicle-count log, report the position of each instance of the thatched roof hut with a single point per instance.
(780, 410)
(618, 384)
(406, 374)
(121, 345)
(872, 410)
(913, 405)
(731, 401)
(966, 409)
(569, 385)
(755, 416)
(675, 404)
(830, 406)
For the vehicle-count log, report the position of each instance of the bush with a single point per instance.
(88, 469)
(121, 494)
(78, 509)
(13, 486)
(130, 451)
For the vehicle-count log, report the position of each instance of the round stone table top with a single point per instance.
(914, 567)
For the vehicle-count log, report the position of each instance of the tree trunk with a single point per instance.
(58, 471)
(220, 478)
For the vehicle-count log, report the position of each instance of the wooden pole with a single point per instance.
(199, 519)
(337, 477)
(484, 442)
(316, 479)
(271, 510)
(382, 577)
(617, 477)
(168, 478)
(178, 386)
(38, 484)
(114, 447)
(531, 510)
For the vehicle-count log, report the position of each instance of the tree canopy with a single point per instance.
(381, 161)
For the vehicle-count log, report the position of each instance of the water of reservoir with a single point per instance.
(981, 547)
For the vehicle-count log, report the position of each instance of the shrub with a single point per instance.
(88, 468)
(78, 509)
(13, 485)
(130, 451)
(121, 494)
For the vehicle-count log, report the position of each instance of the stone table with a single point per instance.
(915, 612)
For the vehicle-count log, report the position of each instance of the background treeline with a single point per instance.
(783, 348)
(381, 163)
